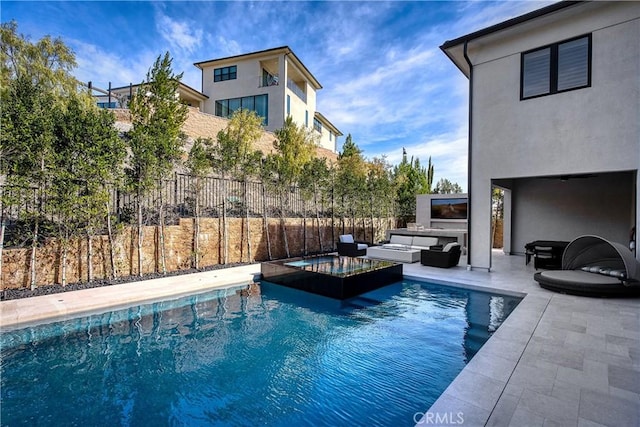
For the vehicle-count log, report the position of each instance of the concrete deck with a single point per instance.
(558, 360)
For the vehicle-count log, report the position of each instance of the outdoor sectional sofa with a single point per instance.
(594, 266)
(410, 242)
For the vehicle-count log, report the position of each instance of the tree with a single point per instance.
(155, 139)
(411, 179)
(34, 78)
(47, 63)
(444, 186)
(27, 150)
(350, 180)
(294, 147)
(88, 160)
(313, 180)
(198, 164)
(497, 212)
(380, 192)
(234, 156)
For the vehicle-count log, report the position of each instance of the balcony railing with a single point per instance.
(269, 80)
(297, 90)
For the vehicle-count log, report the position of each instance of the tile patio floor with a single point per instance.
(558, 360)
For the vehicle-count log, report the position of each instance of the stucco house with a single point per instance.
(554, 120)
(274, 83)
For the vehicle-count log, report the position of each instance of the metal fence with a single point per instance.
(250, 198)
(177, 198)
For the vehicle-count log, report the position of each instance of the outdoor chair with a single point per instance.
(443, 257)
(349, 247)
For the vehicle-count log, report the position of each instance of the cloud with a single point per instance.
(181, 35)
(101, 67)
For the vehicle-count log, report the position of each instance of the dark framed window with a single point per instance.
(225, 73)
(317, 125)
(556, 68)
(257, 103)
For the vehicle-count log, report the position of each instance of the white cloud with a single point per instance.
(101, 67)
(181, 35)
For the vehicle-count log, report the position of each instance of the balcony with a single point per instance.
(269, 80)
(297, 90)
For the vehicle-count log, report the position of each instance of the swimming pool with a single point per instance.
(265, 355)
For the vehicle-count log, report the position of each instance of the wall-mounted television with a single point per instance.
(450, 208)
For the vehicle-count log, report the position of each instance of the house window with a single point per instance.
(306, 119)
(258, 103)
(225, 73)
(330, 136)
(556, 68)
(317, 125)
(288, 105)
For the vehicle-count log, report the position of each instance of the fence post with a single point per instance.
(175, 188)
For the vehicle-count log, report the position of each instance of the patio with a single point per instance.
(557, 360)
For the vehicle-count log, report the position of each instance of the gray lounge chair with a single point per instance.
(594, 266)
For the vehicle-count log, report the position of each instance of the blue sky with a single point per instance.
(385, 80)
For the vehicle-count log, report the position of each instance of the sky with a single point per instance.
(385, 80)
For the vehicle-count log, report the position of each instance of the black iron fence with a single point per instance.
(176, 198)
(239, 198)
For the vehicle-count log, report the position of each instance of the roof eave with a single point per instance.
(509, 23)
(228, 58)
(282, 49)
(327, 123)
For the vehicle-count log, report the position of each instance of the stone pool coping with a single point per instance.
(24, 312)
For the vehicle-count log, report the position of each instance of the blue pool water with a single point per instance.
(339, 266)
(264, 356)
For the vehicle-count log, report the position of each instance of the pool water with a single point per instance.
(339, 266)
(266, 355)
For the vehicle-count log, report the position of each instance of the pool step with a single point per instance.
(361, 302)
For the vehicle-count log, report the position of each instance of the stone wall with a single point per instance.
(203, 125)
(179, 248)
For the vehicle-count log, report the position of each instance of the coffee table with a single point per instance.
(394, 254)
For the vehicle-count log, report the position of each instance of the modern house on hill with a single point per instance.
(274, 83)
(554, 120)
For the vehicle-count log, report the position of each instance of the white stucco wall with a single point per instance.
(248, 83)
(594, 129)
(330, 142)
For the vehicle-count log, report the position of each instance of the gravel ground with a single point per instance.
(9, 294)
